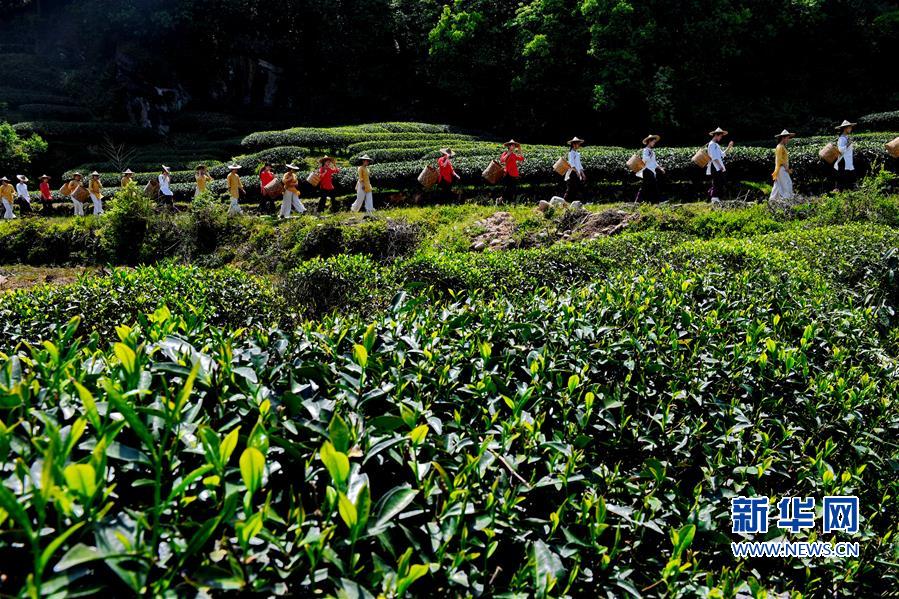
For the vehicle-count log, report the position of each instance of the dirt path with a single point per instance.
(18, 276)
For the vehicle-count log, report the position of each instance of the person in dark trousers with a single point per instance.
(575, 177)
(510, 159)
(326, 171)
(716, 169)
(266, 176)
(46, 195)
(448, 175)
(649, 190)
(845, 164)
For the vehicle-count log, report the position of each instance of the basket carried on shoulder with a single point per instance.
(829, 153)
(893, 147)
(494, 172)
(701, 158)
(314, 178)
(428, 177)
(635, 163)
(81, 194)
(274, 188)
(151, 190)
(561, 166)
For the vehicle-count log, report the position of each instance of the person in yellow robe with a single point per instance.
(235, 189)
(7, 197)
(363, 187)
(291, 198)
(95, 187)
(127, 177)
(203, 180)
(783, 184)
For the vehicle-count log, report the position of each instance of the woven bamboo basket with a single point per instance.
(635, 163)
(829, 153)
(428, 177)
(494, 172)
(893, 147)
(561, 166)
(151, 190)
(701, 158)
(314, 178)
(274, 188)
(81, 194)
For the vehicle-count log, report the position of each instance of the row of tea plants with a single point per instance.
(582, 442)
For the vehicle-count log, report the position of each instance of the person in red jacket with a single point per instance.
(510, 159)
(46, 194)
(327, 170)
(266, 176)
(448, 175)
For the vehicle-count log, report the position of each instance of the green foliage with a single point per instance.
(881, 121)
(18, 150)
(126, 223)
(87, 130)
(319, 287)
(552, 443)
(226, 297)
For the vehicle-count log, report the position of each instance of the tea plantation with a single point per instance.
(364, 408)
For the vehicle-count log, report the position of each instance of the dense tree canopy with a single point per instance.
(606, 68)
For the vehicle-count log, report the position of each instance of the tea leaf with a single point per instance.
(337, 463)
(252, 467)
(81, 478)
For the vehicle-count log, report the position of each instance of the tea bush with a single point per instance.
(87, 130)
(566, 443)
(223, 297)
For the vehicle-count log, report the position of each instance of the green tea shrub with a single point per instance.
(127, 221)
(552, 444)
(207, 219)
(81, 130)
(345, 283)
(38, 241)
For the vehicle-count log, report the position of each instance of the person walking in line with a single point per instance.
(510, 159)
(7, 197)
(845, 164)
(46, 195)
(73, 187)
(203, 180)
(575, 177)
(23, 198)
(291, 198)
(326, 171)
(266, 176)
(649, 188)
(782, 189)
(235, 189)
(363, 187)
(448, 175)
(716, 169)
(166, 196)
(95, 187)
(127, 176)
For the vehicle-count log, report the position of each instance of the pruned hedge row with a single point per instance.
(16, 96)
(279, 155)
(87, 132)
(59, 112)
(338, 138)
(881, 121)
(226, 297)
(319, 286)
